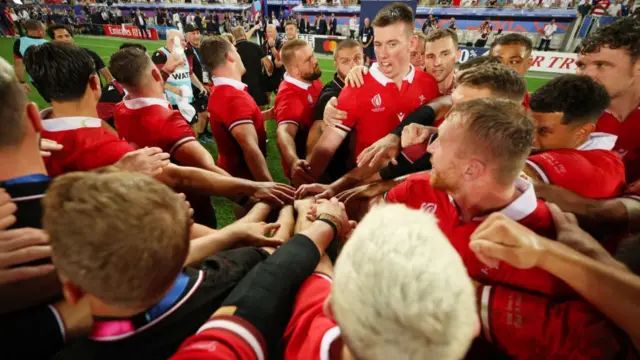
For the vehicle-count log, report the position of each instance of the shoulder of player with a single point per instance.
(420, 179)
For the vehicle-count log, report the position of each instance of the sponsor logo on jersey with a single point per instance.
(400, 116)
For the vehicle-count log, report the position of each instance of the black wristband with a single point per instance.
(333, 226)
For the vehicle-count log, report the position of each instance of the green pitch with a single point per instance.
(105, 46)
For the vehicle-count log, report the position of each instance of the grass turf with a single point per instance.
(105, 46)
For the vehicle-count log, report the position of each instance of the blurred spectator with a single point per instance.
(519, 4)
(485, 29)
(303, 24)
(160, 19)
(584, 6)
(333, 25)
(366, 39)
(444, 2)
(548, 4)
(566, 4)
(615, 9)
(452, 24)
(198, 21)
(322, 25)
(601, 7)
(141, 22)
(492, 3)
(353, 26)
(547, 35)
(252, 56)
(469, 3)
(176, 19)
(532, 4)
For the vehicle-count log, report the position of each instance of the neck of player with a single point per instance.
(83, 107)
(473, 204)
(623, 105)
(22, 160)
(227, 72)
(445, 85)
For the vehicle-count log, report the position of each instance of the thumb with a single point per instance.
(269, 228)
(558, 216)
(488, 249)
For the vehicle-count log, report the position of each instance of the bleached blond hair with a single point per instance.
(400, 290)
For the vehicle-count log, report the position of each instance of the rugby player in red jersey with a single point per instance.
(294, 105)
(237, 123)
(611, 56)
(514, 50)
(568, 152)
(392, 90)
(477, 158)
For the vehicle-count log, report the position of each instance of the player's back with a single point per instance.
(228, 108)
(86, 144)
(146, 122)
(378, 106)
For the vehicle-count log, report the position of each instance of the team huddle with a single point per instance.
(432, 210)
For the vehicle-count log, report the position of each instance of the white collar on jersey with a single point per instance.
(139, 103)
(217, 81)
(67, 123)
(523, 206)
(301, 84)
(599, 141)
(383, 80)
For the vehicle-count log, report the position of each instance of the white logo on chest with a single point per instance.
(376, 101)
(429, 208)
(400, 117)
(310, 98)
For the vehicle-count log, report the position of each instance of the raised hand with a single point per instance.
(355, 77)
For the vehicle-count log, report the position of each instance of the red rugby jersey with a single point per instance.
(223, 338)
(628, 143)
(311, 335)
(416, 192)
(378, 106)
(151, 122)
(294, 104)
(86, 144)
(592, 170)
(231, 105)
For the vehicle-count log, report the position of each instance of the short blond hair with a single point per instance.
(229, 38)
(500, 130)
(122, 237)
(288, 51)
(400, 290)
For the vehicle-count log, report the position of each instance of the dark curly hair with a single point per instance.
(623, 33)
(513, 39)
(581, 99)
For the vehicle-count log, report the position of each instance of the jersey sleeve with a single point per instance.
(175, 133)
(310, 333)
(223, 338)
(590, 173)
(159, 58)
(531, 326)
(348, 102)
(16, 49)
(289, 110)
(237, 111)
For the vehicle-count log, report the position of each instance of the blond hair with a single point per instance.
(500, 130)
(400, 290)
(122, 237)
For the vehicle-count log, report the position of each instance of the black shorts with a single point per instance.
(368, 52)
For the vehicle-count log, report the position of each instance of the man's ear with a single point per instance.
(72, 292)
(157, 76)
(94, 85)
(474, 169)
(585, 130)
(33, 115)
